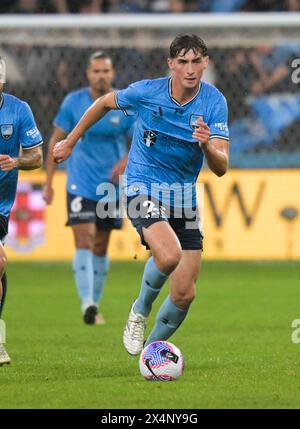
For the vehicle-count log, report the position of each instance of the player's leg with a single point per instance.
(107, 219)
(3, 261)
(83, 268)
(4, 358)
(3, 289)
(81, 217)
(166, 254)
(101, 267)
(182, 292)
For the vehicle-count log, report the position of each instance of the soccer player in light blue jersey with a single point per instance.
(181, 121)
(20, 149)
(99, 157)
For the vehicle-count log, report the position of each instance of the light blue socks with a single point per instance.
(152, 283)
(168, 320)
(101, 267)
(84, 276)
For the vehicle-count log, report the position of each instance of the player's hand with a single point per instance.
(7, 163)
(61, 151)
(118, 170)
(202, 133)
(48, 194)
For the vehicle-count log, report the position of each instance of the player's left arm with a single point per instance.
(213, 137)
(216, 152)
(29, 159)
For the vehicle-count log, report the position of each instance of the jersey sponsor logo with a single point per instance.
(7, 131)
(33, 133)
(150, 137)
(222, 126)
(193, 120)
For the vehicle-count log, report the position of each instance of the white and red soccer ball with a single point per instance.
(161, 361)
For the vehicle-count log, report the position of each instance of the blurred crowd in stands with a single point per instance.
(146, 6)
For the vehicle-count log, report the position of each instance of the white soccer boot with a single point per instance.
(133, 337)
(4, 358)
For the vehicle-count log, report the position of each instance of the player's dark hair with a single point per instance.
(186, 42)
(98, 55)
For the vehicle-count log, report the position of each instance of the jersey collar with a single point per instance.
(175, 101)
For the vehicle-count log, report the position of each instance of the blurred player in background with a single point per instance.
(99, 157)
(180, 121)
(20, 149)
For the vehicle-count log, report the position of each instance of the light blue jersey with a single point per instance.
(17, 129)
(163, 152)
(101, 147)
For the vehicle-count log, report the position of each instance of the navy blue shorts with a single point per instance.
(144, 211)
(83, 210)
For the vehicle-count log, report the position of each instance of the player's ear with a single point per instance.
(87, 72)
(170, 63)
(113, 72)
(206, 61)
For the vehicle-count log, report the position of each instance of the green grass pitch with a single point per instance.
(236, 341)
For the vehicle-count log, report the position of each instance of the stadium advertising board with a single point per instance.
(246, 214)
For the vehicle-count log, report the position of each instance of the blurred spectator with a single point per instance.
(235, 68)
(40, 6)
(173, 6)
(272, 65)
(181, 6)
(221, 6)
(142, 6)
(27, 6)
(134, 6)
(271, 5)
(81, 6)
(7, 6)
(61, 6)
(88, 6)
(293, 5)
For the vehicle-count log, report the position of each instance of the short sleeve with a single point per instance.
(218, 122)
(29, 135)
(64, 118)
(128, 99)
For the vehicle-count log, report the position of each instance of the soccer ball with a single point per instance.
(161, 361)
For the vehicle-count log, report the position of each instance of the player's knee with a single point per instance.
(84, 241)
(3, 262)
(99, 248)
(168, 260)
(183, 299)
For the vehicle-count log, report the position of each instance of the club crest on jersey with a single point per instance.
(7, 131)
(150, 137)
(193, 120)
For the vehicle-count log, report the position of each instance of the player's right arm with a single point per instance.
(48, 191)
(62, 150)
